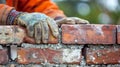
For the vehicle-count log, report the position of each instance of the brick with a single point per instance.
(38, 56)
(3, 56)
(17, 35)
(107, 55)
(88, 34)
(11, 34)
(118, 34)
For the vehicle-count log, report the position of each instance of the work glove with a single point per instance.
(71, 20)
(38, 26)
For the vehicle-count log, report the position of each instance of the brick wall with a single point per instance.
(92, 45)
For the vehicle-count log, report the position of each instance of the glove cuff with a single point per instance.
(4, 12)
(11, 17)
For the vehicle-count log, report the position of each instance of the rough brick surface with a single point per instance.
(107, 55)
(3, 56)
(11, 34)
(17, 35)
(88, 34)
(37, 55)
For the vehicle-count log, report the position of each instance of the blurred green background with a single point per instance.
(95, 11)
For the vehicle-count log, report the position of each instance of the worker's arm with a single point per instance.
(43, 6)
(4, 12)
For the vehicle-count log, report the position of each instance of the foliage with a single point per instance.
(93, 10)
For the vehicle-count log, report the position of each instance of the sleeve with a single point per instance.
(44, 6)
(4, 11)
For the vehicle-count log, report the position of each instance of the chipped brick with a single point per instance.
(37, 55)
(107, 55)
(17, 35)
(88, 34)
(11, 34)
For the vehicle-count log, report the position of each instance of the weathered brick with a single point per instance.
(3, 56)
(88, 34)
(17, 35)
(106, 55)
(118, 34)
(11, 34)
(37, 55)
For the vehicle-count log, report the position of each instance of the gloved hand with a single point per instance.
(38, 26)
(71, 20)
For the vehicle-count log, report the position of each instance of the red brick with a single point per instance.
(37, 55)
(3, 56)
(109, 55)
(118, 34)
(88, 34)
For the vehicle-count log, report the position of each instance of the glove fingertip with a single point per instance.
(37, 41)
(55, 34)
(45, 41)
